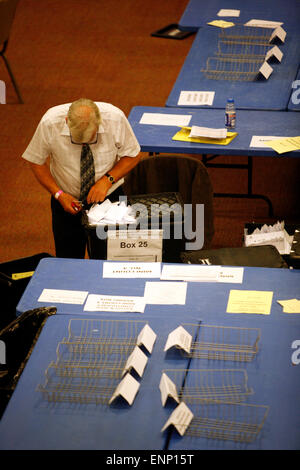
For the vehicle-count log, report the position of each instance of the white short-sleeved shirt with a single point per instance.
(115, 139)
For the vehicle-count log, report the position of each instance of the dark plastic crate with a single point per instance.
(97, 249)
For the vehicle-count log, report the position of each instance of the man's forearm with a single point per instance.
(44, 177)
(124, 166)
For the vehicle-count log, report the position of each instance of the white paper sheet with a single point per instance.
(263, 23)
(165, 293)
(131, 270)
(63, 296)
(199, 98)
(228, 12)
(191, 272)
(161, 119)
(114, 303)
(259, 140)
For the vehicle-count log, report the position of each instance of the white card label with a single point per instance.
(63, 296)
(274, 52)
(135, 245)
(127, 388)
(114, 303)
(179, 338)
(167, 389)
(266, 70)
(137, 361)
(180, 418)
(196, 98)
(147, 338)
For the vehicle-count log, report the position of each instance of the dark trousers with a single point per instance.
(70, 237)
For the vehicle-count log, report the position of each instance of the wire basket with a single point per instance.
(210, 385)
(79, 389)
(242, 49)
(91, 361)
(232, 68)
(246, 33)
(236, 422)
(222, 342)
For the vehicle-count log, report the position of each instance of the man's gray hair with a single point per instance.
(83, 117)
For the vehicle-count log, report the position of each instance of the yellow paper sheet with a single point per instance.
(290, 306)
(288, 144)
(250, 301)
(183, 135)
(221, 23)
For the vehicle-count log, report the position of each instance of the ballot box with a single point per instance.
(162, 212)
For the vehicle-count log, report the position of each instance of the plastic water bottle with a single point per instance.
(230, 114)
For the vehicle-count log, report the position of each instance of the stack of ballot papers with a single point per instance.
(197, 131)
(275, 235)
(110, 213)
(205, 135)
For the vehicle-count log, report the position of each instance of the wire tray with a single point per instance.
(210, 385)
(99, 331)
(242, 49)
(231, 68)
(222, 342)
(246, 33)
(78, 389)
(91, 361)
(236, 422)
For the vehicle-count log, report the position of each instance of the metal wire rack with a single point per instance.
(77, 389)
(222, 342)
(237, 422)
(240, 32)
(232, 68)
(240, 53)
(210, 385)
(97, 332)
(91, 361)
(242, 49)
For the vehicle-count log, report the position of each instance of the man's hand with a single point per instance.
(98, 192)
(69, 203)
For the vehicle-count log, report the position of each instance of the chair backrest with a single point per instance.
(2, 92)
(185, 175)
(7, 13)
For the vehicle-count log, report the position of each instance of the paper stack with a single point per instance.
(110, 213)
(275, 235)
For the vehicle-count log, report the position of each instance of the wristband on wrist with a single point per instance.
(56, 195)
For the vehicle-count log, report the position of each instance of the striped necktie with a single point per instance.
(87, 171)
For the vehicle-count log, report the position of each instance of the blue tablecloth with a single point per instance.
(30, 422)
(158, 138)
(271, 94)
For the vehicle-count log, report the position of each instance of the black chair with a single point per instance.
(181, 174)
(7, 13)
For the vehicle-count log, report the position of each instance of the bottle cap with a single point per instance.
(230, 100)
